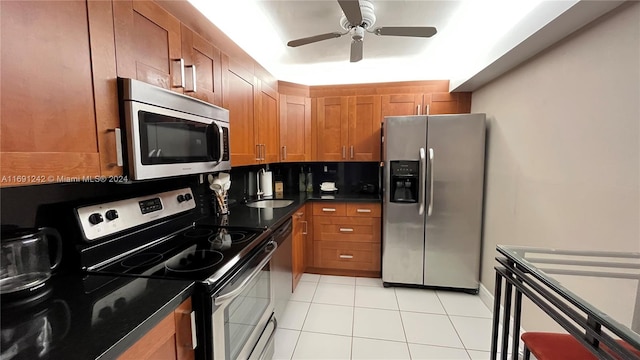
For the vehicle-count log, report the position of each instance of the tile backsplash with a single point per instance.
(349, 177)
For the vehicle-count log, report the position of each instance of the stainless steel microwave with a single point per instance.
(170, 134)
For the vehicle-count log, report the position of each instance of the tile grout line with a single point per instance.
(305, 319)
(454, 326)
(406, 340)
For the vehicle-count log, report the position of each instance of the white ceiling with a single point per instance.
(477, 40)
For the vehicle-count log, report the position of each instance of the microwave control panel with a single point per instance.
(101, 220)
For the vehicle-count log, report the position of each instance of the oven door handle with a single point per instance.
(230, 295)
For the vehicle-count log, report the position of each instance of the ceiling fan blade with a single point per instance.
(415, 31)
(312, 39)
(351, 9)
(356, 50)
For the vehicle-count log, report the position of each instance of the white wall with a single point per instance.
(563, 155)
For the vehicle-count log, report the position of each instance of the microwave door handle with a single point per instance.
(221, 135)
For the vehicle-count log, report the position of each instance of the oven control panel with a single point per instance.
(98, 221)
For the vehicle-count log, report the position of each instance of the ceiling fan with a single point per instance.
(359, 17)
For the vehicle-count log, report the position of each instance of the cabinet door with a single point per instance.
(147, 43)
(364, 128)
(449, 103)
(401, 104)
(158, 344)
(48, 126)
(267, 124)
(332, 128)
(238, 94)
(298, 253)
(184, 340)
(295, 128)
(200, 55)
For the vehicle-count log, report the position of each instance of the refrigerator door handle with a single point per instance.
(430, 209)
(423, 178)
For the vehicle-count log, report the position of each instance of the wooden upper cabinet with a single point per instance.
(450, 103)
(426, 104)
(148, 44)
(364, 128)
(267, 124)
(295, 128)
(348, 128)
(48, 128)
(332, 128)
(202, 63)
(238, 97)
(401, 104)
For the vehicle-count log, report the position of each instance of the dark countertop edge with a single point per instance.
(143, 328)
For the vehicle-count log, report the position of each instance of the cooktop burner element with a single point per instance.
(195, 261)
(141, 259)
(198, 233)
(172, 246)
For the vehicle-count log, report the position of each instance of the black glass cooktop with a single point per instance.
(199, 254)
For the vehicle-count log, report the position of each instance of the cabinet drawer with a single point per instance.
(356, 229)
(346, 255)
(329, 209)
(364, 209)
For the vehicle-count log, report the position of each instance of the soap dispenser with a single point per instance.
(302, 182)
(309, 181)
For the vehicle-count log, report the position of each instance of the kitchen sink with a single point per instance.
(270, 204)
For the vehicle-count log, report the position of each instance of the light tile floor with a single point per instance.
(339, 317)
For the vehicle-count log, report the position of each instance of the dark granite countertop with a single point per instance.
(84, 318)
(244, 216)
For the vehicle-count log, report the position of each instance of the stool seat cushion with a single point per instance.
(554, 346)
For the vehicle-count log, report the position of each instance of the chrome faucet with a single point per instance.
(259, 192)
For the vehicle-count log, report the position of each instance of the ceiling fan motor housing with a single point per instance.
(368, 17)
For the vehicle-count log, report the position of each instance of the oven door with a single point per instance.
(242, 309)
(163, 142)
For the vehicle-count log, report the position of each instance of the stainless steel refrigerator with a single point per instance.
(433, 190)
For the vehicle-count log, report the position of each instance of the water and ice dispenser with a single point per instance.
(405, 176)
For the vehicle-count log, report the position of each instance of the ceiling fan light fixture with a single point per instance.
(358, 33)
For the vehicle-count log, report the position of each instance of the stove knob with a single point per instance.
(95, 218)
(181, 198)
(188, 197)
(111, 215)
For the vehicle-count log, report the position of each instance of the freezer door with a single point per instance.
(454, 207)
(403, 225)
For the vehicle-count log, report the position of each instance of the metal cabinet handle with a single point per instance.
(346, 230)
(264, 152)
(430, 209)
(345, 256)
(352, 151)
(284, 152)
(258, 158)
(418, 110)
(363, 210)
(177, 68)
(344, 152)
(426, 109)
(423, 178)
(328, 209)
(194, 337)
(306, 229)
(190, 82)
(299, 214)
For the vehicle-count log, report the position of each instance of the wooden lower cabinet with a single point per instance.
(346, 239)
(300, 231)
(169, 340)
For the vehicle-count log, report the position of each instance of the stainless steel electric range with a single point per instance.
(155, 236)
